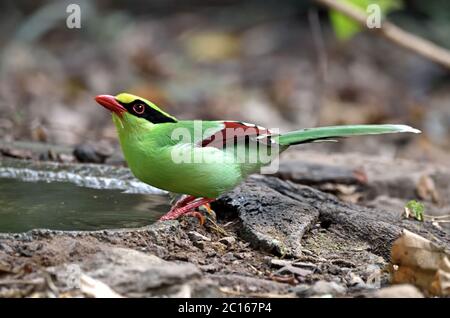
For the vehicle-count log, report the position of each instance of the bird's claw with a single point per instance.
(199, 215)
(208, 209)
(201, 218)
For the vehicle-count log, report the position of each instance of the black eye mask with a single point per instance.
(149, 113)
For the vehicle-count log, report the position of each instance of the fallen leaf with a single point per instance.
(441, 283)
(426, 189)
(422, 263)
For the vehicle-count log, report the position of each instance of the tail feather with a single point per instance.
(323, 133)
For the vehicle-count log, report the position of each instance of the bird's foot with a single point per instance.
(201, 218)
(208, 209)
(188, 207)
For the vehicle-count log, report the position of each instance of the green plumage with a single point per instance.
(313, 134)
(175, 156)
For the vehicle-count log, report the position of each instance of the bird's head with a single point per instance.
(132, 112)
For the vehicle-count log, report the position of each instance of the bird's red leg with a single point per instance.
(189, 207)
(183, 201)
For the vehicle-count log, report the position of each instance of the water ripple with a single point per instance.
(83, 175)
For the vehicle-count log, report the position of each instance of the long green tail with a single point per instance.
(321, 133)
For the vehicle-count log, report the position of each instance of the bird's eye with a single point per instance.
(139, 109)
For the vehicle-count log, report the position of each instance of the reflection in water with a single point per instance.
(65, 206)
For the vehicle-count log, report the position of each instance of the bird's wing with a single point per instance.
(233, 131)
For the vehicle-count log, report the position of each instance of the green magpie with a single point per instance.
(204, 159)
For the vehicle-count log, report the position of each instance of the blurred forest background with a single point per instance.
(275, 63)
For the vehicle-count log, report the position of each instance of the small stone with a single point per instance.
(63, 157)
(244, 255)
(92, 153)
(274, 262)
(267, 259)
(16, 153)
(229, 257)
(334, 269)
(307, 265)
(294, 270)
(228, 240)
(219, 247)
(210, 252)
(301, 290)
(199, 244)
(24, 251)
(197, 237)
(327, 288)
(399, 291)
(343, 263)
(355, 281)
(6, 248)
(47, 156)
(209, 268)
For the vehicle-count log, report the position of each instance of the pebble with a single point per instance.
(307, 265)
(197, 237)
(289, 269)
(228, 240)
(92, 153)
(274, 262)
(355, 281)
(209, 268)
(300, 290)
(334, 269)
(6, 248)
(228, 257)
(219, 247)
(199, 244)
(322, 287)
(399, 291)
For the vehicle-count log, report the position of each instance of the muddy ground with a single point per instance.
(325, 230)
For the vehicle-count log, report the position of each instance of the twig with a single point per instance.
(393, 33)
(447, 216)
(217, 227)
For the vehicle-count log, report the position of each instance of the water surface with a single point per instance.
(26, 205)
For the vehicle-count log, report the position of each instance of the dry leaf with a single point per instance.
(441, 283)
(426, 189)
(422, 263)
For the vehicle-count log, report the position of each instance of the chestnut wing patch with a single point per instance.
(235, 131)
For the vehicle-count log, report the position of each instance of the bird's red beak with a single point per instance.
(110, 103)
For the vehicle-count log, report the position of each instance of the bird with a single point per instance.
(203, 159)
